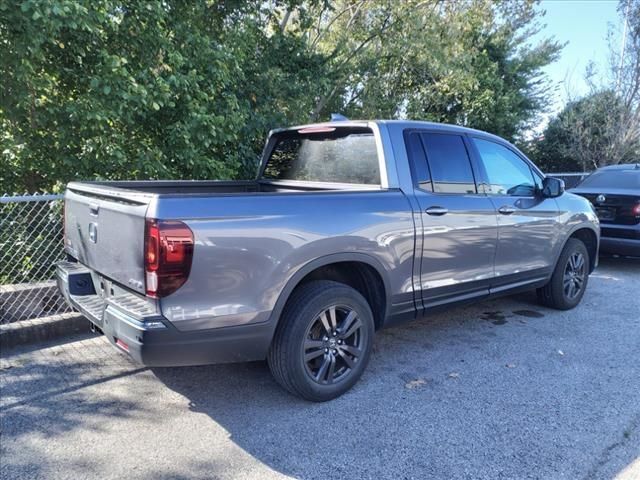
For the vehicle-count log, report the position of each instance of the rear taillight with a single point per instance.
(635, 211)
(168, 252)
(122, 345)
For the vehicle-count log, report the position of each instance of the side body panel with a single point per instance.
(455, 251)
(248, 247)
(529, 231)
(516, 250)
(458, 248)
(575, 213)
(528, 237)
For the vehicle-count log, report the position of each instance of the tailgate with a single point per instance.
(104, 230)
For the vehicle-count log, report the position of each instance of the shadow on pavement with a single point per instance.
(623, 264)
(505, 389)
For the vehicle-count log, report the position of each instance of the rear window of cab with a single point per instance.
(325, 154)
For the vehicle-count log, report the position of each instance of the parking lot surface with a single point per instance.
(500, 389)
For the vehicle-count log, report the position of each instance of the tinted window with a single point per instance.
(613, 179)
(342, 155)
(418, 160)
(507, 173)
(449, 163)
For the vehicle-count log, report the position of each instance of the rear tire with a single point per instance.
(323, 341)
(570, 277)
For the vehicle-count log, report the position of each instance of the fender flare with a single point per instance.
(309, 267)
(580, 226)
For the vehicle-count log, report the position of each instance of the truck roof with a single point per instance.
(445, 127)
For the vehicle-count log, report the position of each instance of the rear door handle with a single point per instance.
(506, 210)
(436, 211)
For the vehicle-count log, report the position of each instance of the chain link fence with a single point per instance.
(570, 179)
(31, 242)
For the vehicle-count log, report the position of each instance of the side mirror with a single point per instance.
(552, 187)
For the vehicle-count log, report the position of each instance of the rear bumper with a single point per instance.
(620, 239)
(151, 339)
(621, 246)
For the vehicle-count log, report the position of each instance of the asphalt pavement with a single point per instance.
(501, 389)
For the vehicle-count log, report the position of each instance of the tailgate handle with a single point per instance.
(93, 209)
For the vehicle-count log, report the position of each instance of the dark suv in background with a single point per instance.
(614, 191)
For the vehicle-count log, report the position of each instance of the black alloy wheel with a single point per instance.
(323, 340)
(333, 344)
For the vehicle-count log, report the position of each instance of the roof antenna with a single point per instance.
(337, 117)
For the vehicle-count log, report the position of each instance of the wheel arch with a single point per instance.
(590, 238)
(339, 267)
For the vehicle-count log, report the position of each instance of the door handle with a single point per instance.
(506, 210)
(436, 211)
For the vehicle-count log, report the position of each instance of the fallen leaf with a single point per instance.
(510, 365)
(418, 382)
(454, 375)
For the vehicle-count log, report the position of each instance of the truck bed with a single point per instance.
(197, 187)
(105, 221)
(170, 187)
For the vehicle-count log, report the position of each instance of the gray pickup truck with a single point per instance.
(349, 227)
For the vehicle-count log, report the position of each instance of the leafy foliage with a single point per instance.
(170, 89)
(585, 135)
(463, 62)
(603, 127)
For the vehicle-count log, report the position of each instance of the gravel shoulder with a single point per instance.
(500, 389)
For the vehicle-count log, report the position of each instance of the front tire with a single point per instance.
(570, 277)
(323, 341)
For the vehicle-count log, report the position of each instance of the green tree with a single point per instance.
(586, 135)
(170, 89)
(603, 127)
(465, 62)
(166, 89)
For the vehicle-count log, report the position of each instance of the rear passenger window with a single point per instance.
(418, 160)
(449, 163)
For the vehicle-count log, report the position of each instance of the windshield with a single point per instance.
(325, 154)
(625, 179)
